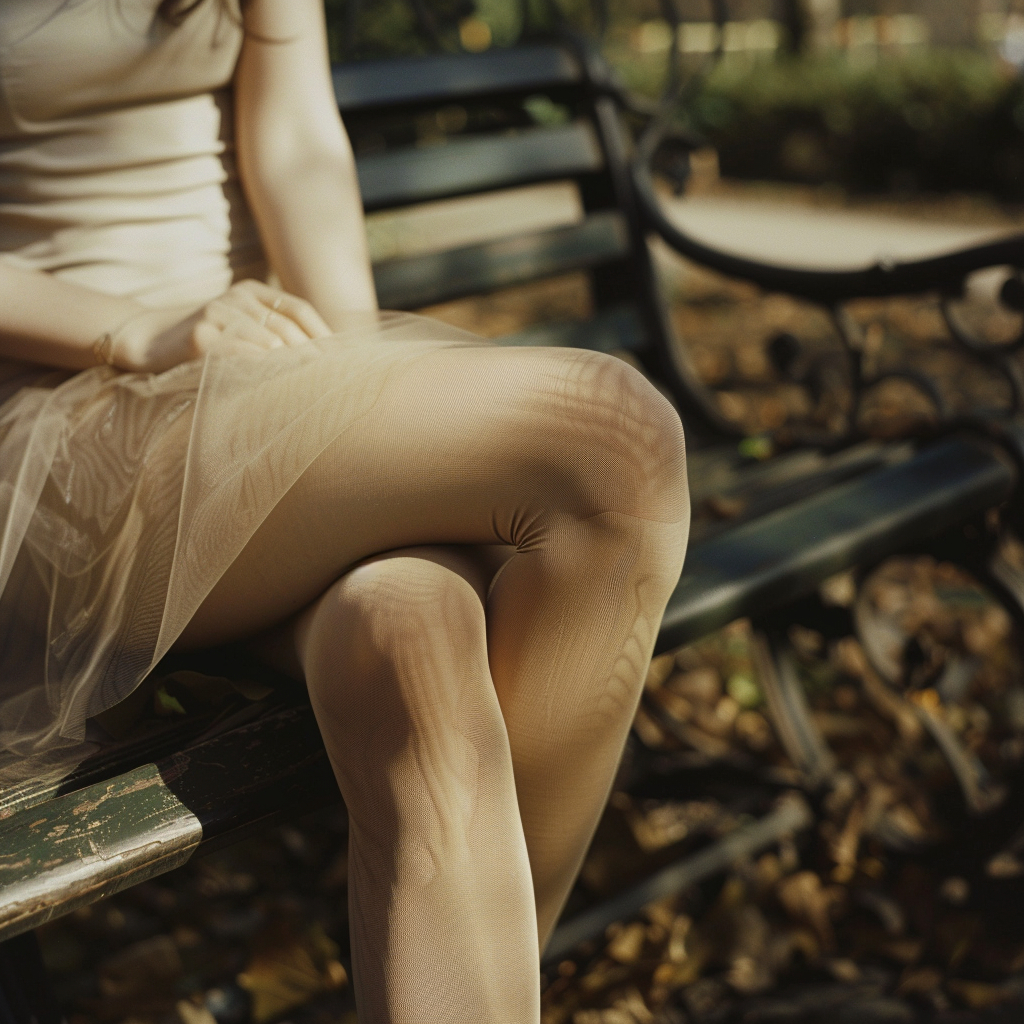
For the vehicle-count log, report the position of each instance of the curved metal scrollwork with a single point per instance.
(945, 275)
(999, 356)
(861, 383)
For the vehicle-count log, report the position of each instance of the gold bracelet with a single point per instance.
(102, 349)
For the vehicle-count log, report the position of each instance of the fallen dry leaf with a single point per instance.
(287, 969)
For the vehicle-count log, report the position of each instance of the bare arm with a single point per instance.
(296, 162)
(300, 175)
(46, 320)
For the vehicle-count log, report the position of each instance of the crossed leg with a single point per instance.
(474, 732)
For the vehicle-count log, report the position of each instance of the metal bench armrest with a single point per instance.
(939, 273)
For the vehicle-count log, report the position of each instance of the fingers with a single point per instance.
(268, 316)
(252, 316)
(299, 311)
(305, 316)
(208, 337)
(239, 319)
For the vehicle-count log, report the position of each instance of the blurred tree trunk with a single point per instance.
(811, 23)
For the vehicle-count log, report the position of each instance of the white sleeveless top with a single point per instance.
(117, 167)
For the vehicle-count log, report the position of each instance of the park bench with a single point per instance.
(146, 803)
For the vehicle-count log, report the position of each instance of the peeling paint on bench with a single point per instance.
(81, 847)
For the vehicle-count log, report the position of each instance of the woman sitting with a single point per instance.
(463, 550)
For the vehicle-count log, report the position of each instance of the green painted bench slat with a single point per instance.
(365, 85)
(76, 848)
(615, 328)
(86, 845)
(478, 163)
(769, 561)
(226, 784)
(437, 277)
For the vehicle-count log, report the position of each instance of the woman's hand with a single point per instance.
(249, 316)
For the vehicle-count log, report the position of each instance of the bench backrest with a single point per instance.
(499, 120)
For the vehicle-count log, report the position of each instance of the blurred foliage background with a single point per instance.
(873, 96)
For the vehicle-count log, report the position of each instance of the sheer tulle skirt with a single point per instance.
(124, 497)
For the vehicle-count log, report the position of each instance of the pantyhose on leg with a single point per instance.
(578, 462)
(439, 881)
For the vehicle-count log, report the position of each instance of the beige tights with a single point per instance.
(474, 735)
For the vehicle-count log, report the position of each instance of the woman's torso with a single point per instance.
(117, 164)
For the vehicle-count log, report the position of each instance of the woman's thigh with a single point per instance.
(467, 446)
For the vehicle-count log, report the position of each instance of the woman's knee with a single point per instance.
(397, 667)
(614, 436)
(395, 656)
(397, 618)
